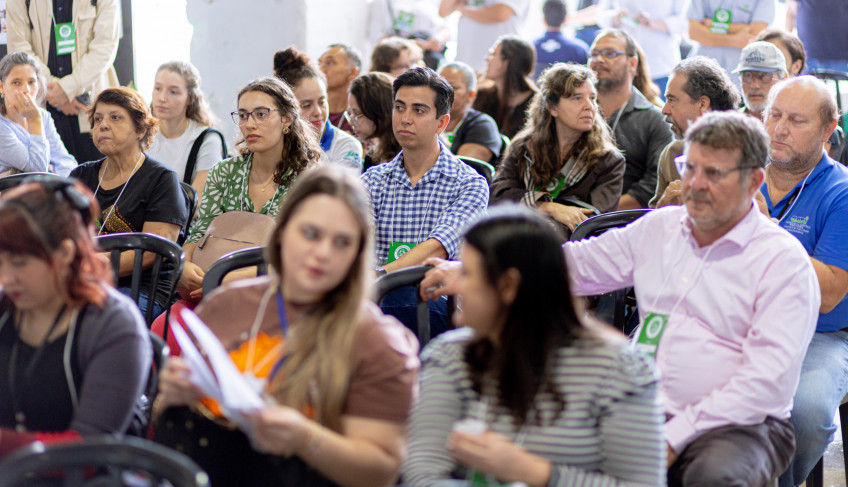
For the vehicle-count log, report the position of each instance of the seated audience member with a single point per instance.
(558, 398)
(74, 353)
(340, 64)
(417, 20)
(728, 303)
(343, 376)
(277, 146)
(422, 197)
(806, 193)
(369, 112)
(394, 55)
(28, 138)
(135, 193)
(185, 120)
(469, 132)
(760, 67)
(791, 47)
(554, 47)
(310, 89)
(564, 162)
(697, 85)
(656, 26)
(638, 127)
(507, 98)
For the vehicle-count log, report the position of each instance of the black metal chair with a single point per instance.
(192, 199)
(166, 251)
(104, 461)
(14, 180)
(403, 278)
(239, 259)
(482, 167)
(592, 227)
(816, 477)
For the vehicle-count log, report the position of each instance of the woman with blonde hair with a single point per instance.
(564, 162)
(341, 374)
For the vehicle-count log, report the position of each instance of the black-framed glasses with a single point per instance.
(260, 115)
(608, 53)
(712, 174)
(351, 118)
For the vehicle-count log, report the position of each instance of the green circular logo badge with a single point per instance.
(400, 250)
(654, 327)
(722, 15)
(65, 31)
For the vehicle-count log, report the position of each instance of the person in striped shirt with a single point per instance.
(529, 391)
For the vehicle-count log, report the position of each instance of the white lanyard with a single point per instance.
(121, 193)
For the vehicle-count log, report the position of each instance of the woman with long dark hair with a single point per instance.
(369, 112)
(564, 162)
(509, 66)
(530, 390)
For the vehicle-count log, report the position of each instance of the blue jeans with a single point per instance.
(824, 377)
(402, 304)
(142, 302)
(838, 65)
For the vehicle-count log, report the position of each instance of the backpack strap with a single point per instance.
(188, 176)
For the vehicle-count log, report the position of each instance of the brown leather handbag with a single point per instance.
(231, 231)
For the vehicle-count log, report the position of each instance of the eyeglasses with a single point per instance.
(749, 76)
(352, 119)
(712, 174)
(608, 53)
(260, 115)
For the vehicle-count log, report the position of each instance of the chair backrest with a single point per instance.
(254, 256)
(597, 225)
(14, 180)
(835, 77)
(403, 278)
(192, 199)
(484, 168)
(115, 461)
(165, 250)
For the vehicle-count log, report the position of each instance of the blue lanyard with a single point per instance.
(284, 329)
(327, 138)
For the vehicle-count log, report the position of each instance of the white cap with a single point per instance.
(761, 56)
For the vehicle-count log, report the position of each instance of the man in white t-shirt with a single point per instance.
(481, 23)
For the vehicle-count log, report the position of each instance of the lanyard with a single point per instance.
(327, 137)
(284, 329)
(789, 204)
(20, 417)
(618, 116)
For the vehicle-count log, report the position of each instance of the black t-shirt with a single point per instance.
(478, 128)
(152, 194)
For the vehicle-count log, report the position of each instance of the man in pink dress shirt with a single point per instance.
(729, 303)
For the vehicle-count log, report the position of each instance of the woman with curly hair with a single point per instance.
(564, 161)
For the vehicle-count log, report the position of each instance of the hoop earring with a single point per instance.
(285, 131)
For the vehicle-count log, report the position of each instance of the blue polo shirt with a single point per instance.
(819, 219)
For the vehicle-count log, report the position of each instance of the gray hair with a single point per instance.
(732, 130)
(828, 110)
(354, 59)
(9, 62)
(468, 71)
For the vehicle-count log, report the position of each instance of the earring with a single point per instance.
(138, 138)
(285, 131)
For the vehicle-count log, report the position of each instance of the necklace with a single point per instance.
(267, 183)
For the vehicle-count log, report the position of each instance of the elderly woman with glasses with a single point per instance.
(277, 145)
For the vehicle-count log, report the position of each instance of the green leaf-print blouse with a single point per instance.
(226, 190)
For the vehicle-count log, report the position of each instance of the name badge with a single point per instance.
(404, 21)
(721, 21)
(66, 38)
(555, 187)
(649, 335)
(397, 249)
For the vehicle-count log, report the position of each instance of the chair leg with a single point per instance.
(843, 425)
(816, 477)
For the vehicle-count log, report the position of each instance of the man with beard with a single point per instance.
(760, 67)
(638, 126)
(728, 303)
(697, 85)
(806, 193)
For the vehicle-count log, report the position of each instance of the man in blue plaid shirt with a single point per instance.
(422, 197)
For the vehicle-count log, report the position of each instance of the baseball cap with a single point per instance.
(761, 56)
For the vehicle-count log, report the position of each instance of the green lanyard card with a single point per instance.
(397, 249)
(555, 187)
(650, 333)
(66, 38)
(721, 21)
(403, 22)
